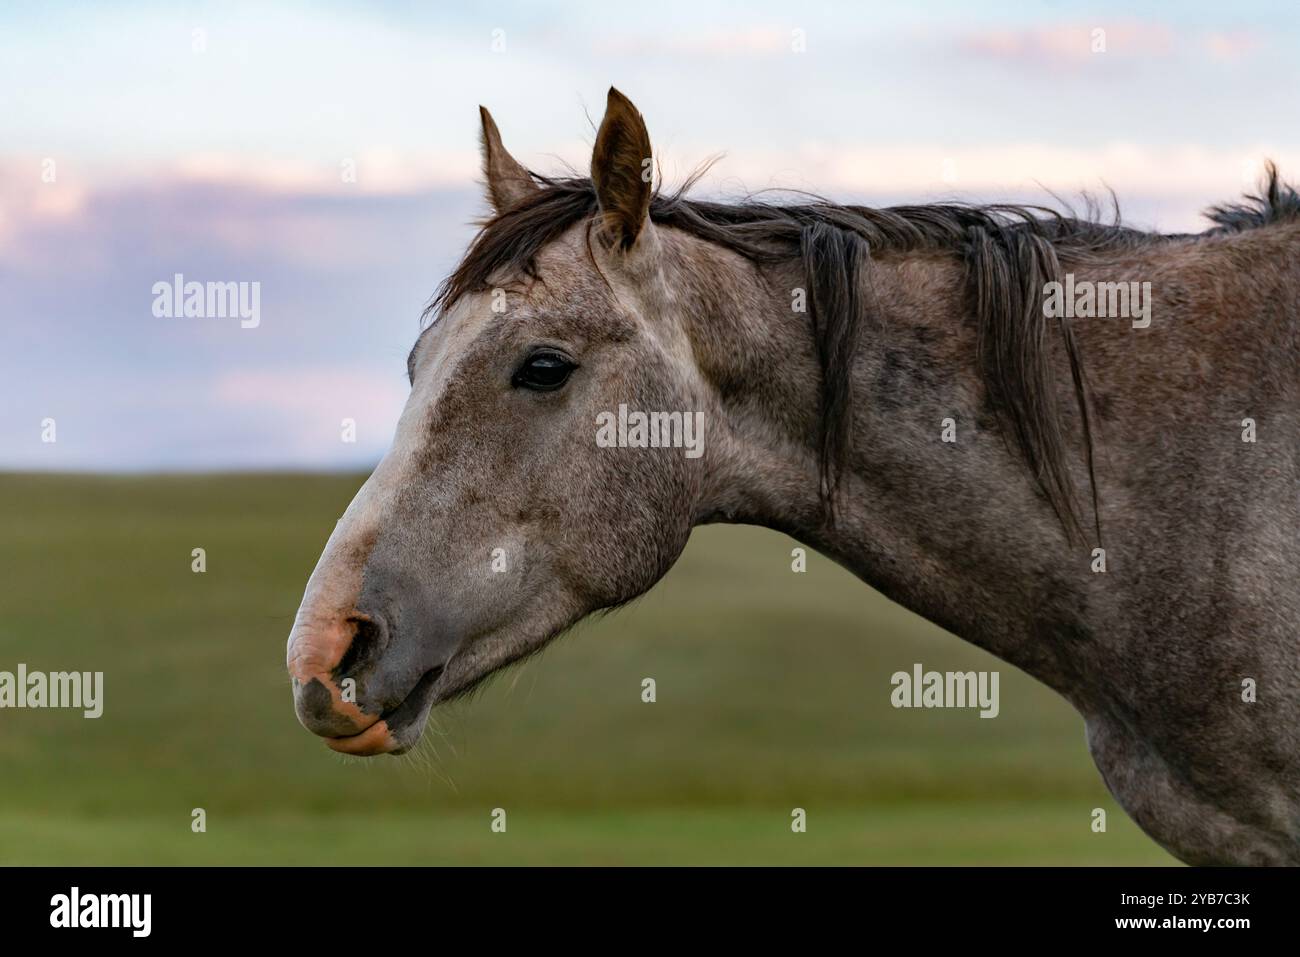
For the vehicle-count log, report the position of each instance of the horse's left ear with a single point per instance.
(508, 183)
(621, 170)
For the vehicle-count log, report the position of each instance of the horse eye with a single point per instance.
(543, 372)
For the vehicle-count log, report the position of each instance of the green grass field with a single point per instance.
(773, 693)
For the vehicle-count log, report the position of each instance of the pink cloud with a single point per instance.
(1232, 45)
(754, 41)
(320, 392)
(310, 404)
(1069, 43)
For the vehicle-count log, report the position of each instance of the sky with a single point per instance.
(327, 151)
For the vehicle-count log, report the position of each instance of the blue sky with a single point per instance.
(209, 138)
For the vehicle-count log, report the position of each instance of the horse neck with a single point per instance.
(956, 532)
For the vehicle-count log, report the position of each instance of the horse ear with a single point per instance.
(508, 183)
(621, 170)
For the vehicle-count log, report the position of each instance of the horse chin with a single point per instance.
(399, 730)
(488, 655)
(465, 672)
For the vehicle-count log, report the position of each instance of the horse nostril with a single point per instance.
(314, 702)
(367, 642)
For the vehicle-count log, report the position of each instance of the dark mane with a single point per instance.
(1009, 252)
(1275, 202)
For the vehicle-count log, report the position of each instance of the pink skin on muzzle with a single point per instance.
(323, 630)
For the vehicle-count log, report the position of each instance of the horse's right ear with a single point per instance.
(508, 183)
(621, 170)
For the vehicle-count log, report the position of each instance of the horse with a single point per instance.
(1105, 502)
